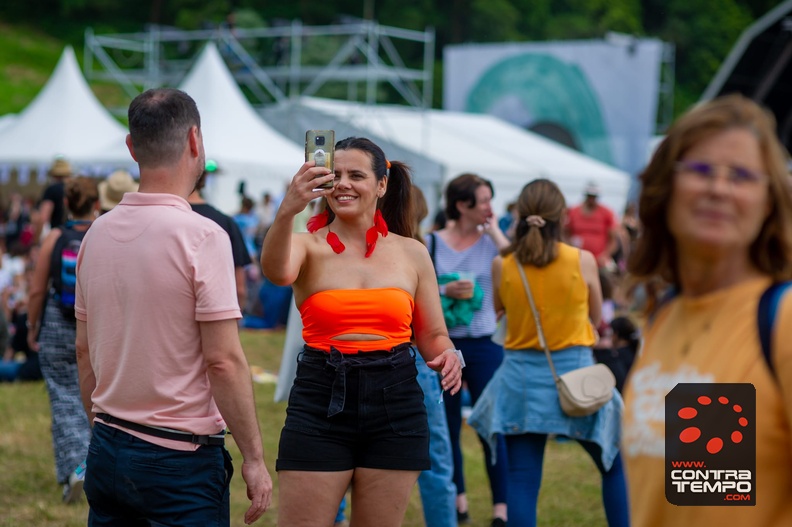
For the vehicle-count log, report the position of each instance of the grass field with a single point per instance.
(30, 497)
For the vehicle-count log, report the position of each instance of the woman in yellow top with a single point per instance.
(363, 284)
(521, 401)
(717, 227)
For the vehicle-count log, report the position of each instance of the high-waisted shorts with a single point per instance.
(347, 411)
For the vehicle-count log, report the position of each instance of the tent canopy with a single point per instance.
(64, 119)
(462, 142)
(759, 66)
(245, 148)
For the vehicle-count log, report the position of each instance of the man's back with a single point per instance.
(149, 272)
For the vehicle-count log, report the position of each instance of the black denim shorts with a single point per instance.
(347, 411)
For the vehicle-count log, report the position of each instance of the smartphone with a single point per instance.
(319, 147)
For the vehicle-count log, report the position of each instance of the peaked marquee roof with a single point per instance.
(64, 119)
(245, 147)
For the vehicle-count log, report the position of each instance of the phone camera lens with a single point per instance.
(320, 140)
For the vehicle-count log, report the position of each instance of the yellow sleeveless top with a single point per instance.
(561, 296)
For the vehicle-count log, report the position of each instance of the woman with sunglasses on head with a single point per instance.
(717, 228)
(363, 284)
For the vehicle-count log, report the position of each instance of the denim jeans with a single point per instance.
(133, 483)
(438, 492)
(482, 357)
(526, 457)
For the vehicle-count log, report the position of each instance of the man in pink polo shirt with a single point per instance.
(592, 226)
(162, 370)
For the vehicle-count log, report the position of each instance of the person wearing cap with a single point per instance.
(51, 208)
(592, 226)
(112, 189)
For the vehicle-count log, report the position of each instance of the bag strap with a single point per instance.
(765, 317)
(433, 250)
(539, 330)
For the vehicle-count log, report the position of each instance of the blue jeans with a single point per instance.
(438, 492)
(482, 357)
(526, 456)
(133, 483)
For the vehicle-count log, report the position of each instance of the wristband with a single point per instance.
(458, 353)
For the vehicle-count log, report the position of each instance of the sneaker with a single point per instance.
(73, 490)
(498, 522)
(463, 517)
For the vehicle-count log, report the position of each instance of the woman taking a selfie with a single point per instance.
(363, 284)
(521, 402)
(717, 228)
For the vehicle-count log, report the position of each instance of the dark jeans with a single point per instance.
(526, 458)
(482, 357)
(133, 483)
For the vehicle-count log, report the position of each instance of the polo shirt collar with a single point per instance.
(149, 198)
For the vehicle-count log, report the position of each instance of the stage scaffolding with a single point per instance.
(355, 60)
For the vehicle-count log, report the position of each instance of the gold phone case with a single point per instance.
(319, 147)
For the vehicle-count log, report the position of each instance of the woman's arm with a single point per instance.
(281, 257)
(38, 287)
(494, 232)
(497, 269)
(431, 335)
(590, 271)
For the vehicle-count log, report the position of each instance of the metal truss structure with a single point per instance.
(276, 63)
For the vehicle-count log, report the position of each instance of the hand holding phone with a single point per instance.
(320, 147)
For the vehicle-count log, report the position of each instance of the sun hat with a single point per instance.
(112, 189)
(60, 168)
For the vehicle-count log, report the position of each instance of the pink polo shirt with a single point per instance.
(148, 272)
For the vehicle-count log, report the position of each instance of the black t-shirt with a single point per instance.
(241, 256)
(56, 194)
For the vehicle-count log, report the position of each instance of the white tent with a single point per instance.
(64, 119)
(462, 142)
(245, 147)
(7, 120)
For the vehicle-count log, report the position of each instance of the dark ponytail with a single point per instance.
(397, 203)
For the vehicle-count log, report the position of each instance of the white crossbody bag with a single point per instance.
(582, 391)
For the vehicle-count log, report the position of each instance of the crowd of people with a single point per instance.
(128, 305)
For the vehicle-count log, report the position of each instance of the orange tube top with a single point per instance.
(386, 312)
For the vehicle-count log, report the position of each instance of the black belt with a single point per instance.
(175, 435)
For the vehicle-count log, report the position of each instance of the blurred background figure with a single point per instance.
(52, 332)
(436, 485)
(462, 253)
(592, 227)
(19, 362)
(51, 207)
(265, 211)
(113, 188)
(239, 250)
(247, 221)
(716, 218)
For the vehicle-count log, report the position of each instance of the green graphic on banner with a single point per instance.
(549, 91)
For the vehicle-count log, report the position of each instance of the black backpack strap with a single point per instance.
(433, 249)
(765, 318)
(667, 296)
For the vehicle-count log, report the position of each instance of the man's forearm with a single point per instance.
(232, 390)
